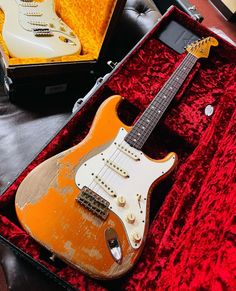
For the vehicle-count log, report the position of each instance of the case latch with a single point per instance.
(7, 84)
(81, 101)
(112, 64)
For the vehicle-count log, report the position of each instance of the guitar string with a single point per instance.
(110, 171)
(159, 91)
(105, 169)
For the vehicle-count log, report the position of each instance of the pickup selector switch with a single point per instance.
(121, 201)
(130, 218)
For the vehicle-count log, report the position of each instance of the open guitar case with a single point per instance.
(190, 242)
(48, 80)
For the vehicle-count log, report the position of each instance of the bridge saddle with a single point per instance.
(93, 202)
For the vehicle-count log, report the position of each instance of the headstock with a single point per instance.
(201, 48)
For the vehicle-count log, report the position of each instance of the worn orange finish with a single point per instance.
(47, 208)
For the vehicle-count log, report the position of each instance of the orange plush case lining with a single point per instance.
(88, 19)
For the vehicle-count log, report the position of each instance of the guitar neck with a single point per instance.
(150, 117)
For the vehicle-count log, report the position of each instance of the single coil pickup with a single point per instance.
(117, 168)
(42, 32)
(28, 4)
(104, 186)
(128, 152)
(38, 23)
(33, 13)
(94, 202)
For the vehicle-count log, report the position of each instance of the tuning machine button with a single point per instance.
(130, 218)
(121, 201)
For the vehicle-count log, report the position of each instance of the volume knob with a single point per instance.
(136, 237)
(130, 218)
(121, 201)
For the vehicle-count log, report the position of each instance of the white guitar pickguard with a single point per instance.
(129, 175)
(33, 30)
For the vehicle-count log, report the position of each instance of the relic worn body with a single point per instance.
(47, 206)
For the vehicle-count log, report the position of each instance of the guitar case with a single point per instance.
(53, 78)
(190, 239)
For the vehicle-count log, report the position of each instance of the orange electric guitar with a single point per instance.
(89, 205)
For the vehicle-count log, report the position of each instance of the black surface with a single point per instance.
(224, 10)
(35, 276)
(24, 130)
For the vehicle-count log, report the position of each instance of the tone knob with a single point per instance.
(130, 218)
(121, 201)
(136, 237)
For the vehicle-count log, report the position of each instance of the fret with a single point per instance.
(151, 116)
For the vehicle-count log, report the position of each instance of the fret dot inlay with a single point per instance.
(150, 117)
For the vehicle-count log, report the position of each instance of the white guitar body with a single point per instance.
(122, 176)
(33, 30)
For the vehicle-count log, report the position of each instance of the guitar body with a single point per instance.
(50, 208)
(33, 30)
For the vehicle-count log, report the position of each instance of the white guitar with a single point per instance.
(33, 30)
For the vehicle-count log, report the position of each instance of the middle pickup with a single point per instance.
(117, 168)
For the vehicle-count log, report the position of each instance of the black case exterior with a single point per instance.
(54, 80)
(224, 10)
(61, 284)
(183, 5)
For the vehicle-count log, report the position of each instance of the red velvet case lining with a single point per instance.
(190, 245)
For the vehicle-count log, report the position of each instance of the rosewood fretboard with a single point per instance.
(150, 117)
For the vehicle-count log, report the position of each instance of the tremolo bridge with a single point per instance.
(93, 202)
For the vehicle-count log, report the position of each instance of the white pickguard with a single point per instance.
(133, 179)
(33, 30)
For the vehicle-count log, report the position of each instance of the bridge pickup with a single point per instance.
(93, 202)
(42, 32)
(104, 186)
